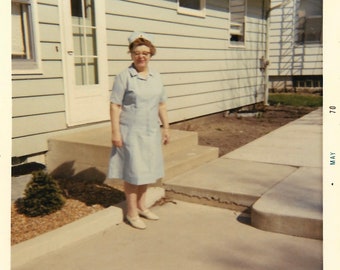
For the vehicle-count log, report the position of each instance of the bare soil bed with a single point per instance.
(236, 129)
(225, 132)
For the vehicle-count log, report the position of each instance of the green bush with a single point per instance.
(295, 100)
(42, 196)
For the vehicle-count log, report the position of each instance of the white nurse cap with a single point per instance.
(136, 35)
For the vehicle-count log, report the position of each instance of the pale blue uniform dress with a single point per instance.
(140, 160)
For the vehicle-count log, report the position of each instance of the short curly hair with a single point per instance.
(140, 42)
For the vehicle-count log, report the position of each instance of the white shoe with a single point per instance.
(148, 214)
(136, 222)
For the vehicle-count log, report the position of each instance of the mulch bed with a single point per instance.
(82, 199)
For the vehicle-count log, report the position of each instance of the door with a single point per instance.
(85, 65)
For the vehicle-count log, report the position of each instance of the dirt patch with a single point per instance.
(227, 132)
(230, 131)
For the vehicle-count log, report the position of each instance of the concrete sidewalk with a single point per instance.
(278, 178)
(188, 236)
(193, 236)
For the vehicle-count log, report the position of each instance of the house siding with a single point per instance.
(288, 59)
(201, 72)
(38, 104)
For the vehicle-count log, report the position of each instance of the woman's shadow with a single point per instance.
(87, 186)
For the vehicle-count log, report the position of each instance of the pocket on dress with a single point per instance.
(129, 97)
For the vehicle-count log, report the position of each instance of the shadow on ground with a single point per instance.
(87, 186)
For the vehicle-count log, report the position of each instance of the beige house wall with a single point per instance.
(201, 72)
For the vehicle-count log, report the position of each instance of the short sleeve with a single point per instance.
(163, 96)
(118, 90)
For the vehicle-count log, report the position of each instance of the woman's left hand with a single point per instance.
(166, 136)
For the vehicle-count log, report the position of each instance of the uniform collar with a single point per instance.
(133, 71)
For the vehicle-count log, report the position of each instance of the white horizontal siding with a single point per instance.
(48, 12)
(50, 51)
(286, 57)
(50, 69)
(37, 87)
(204, 109)
(200, 77)
(164, 14)
(38, 107)
(36, 124)
(30, 145)
(297, 59)
(298, 49)
(170, 28)
(200, 88)
(48, 2)
(210, 97)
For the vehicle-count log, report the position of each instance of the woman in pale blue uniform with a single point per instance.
(137, 104)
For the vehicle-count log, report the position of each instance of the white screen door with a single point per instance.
(86, 61)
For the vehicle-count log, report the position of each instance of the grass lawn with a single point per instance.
(295, 99)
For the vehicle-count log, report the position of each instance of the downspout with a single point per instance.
(265, 61)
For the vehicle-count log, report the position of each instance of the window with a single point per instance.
(237, 9)
(24, 55)
(313, 81)
(85, 42)
(192, 7)
(309, 22)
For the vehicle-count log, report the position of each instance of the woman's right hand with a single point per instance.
(117, 140)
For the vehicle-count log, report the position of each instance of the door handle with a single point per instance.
(70, 52)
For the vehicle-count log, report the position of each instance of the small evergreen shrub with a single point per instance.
(42, 196)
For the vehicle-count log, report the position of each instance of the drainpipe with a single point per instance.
(265, 59)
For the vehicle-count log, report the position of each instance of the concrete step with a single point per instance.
(293, 207)
(86, 154)
(188, 158)
(180, 140)
(227, 183)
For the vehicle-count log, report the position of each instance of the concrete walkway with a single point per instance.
(194, 236)
(188, 236)
(278, 177)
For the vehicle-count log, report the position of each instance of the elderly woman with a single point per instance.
(137, 104)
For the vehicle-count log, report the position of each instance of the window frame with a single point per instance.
(29, 66)
(238, 44)
(304, 31)
(301, 31)
(193, 12)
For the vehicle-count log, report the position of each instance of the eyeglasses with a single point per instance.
(145, 54)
